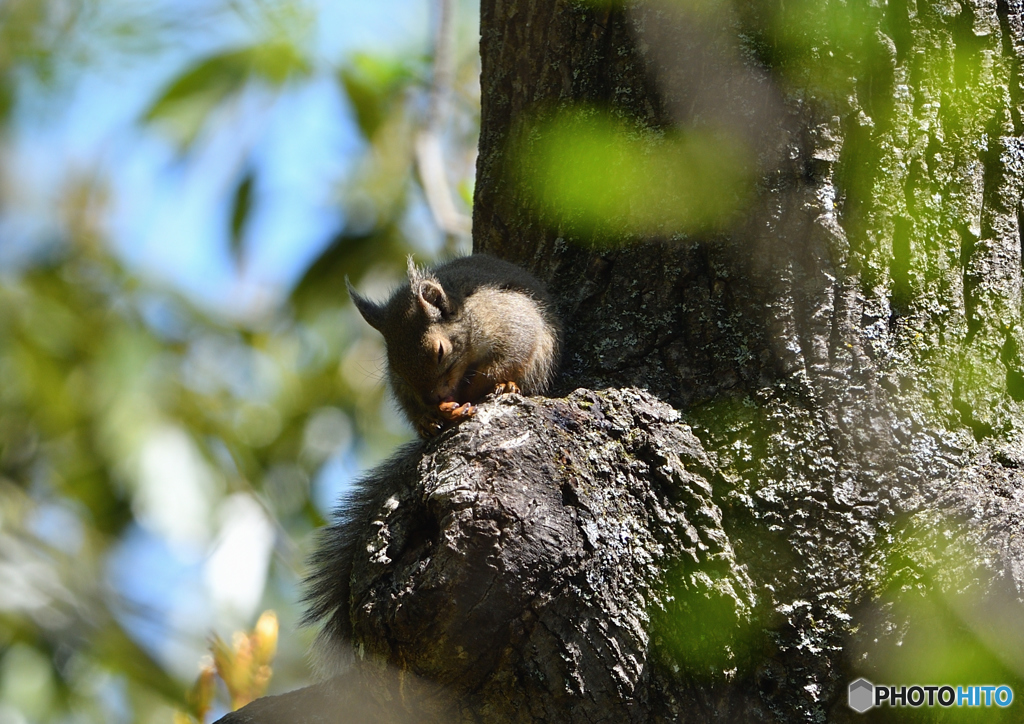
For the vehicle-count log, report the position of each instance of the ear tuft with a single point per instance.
(372, 312)
(415, 275)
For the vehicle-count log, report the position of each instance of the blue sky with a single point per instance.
(171, 215)
(169, 222)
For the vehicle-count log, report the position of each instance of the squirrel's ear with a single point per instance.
(432, 298)
(429, 292)
(373, 313)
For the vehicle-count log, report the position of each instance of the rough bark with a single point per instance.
(850, 349)
(822, 470)
(519, 569)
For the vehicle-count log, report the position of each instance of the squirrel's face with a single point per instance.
(437, 368)
(451, 364)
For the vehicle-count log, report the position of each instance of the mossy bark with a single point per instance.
(849, 347)
(820, 478)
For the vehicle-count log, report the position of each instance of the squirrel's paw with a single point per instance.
(506, 388)
(454, 411)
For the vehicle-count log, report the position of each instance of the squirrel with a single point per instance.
(470, 327)
(454, 334)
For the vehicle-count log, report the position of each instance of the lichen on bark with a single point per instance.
(820, 477)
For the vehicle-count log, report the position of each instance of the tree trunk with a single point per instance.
(806, 470)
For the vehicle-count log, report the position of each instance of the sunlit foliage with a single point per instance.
(609, 181)
(139, 428)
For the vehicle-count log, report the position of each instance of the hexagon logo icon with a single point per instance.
(862, 695)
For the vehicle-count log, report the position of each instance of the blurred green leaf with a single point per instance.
(591, 172)
(939, 624)
(466, 190)
(186, 103)
(184, 106)
(27, 681)
(277, 62)
(372, 85)
(6, 98)
(349, 254)
(241, 206)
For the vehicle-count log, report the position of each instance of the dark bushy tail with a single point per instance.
(328, 585)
